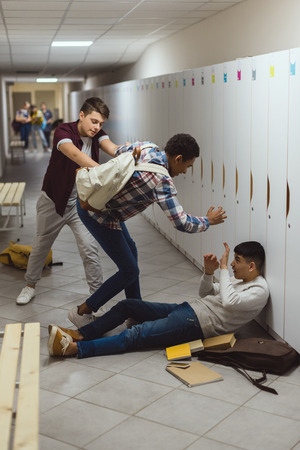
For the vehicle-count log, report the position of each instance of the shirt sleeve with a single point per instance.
(166, 197)
(64, 141)
(255, 296)
(102, 138)
(207, 286)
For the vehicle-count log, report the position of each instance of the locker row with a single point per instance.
(245, 116)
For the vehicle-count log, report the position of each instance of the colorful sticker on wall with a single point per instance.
(213, 77)
(292, 62)
(225, 77)
(293, 68)
(176, 83)
(184, 82)
(272, 71)
(239, 74)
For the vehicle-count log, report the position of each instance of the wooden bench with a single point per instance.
(16, 146)
(12, 195)
(24, 435)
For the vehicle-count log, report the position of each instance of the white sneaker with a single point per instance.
(79, 321)
(25, 296)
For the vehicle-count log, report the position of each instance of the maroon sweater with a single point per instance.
(61, 172)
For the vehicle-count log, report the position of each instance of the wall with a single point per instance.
(244, 114)
(252, 27)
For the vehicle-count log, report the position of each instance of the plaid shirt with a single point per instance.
(145, 188)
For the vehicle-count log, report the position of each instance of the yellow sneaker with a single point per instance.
(58, 342)
(65, 331)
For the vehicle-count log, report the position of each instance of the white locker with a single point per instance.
(217, 153)
(259, 148)
(229, 150)
(175, 90)
(192, 180)
(243, 132)
(292, 304)
(162, 106)
(205, 151)
(277, 167)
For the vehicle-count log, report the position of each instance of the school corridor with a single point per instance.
(129, 401)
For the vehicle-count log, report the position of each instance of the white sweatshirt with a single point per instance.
(226, 306)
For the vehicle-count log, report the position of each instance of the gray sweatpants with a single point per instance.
(48, 226)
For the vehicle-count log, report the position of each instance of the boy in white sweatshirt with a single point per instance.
(222, 308)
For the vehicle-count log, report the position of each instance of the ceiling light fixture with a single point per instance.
(46, 80)
(71, 43)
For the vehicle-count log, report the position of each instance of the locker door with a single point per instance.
(162, 106)
(292, 304)
(192, 180)
(243, 127)
(277, 167)
(205, 151)
(217, 153)
(259, 149)
(229, 149)
(176, 126)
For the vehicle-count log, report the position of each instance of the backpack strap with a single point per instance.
(149, 167)
(256, 382)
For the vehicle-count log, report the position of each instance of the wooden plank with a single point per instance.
(27, 420)
(10, 194)
(8, 370)
(19, 194)
(4, 192)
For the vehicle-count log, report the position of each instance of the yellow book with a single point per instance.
(184, 351)
(176, 352)
(219, 342)
(195, 374)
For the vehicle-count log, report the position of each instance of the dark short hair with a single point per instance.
(251, 251)
(95, 104)
(183, 144)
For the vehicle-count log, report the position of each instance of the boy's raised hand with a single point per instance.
(225, 257)
(211, 263)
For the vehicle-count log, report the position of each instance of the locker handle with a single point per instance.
(201, 169)
(236, 181)
(268, 192)
(287, 199)
(251, 186)
(223, 176)
(212, 173)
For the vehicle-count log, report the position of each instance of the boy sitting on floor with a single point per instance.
(222, 308)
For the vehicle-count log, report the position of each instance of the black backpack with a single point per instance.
(264, 355)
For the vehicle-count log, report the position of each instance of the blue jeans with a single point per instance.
(120, 247)
(37, 128)
(24, 132)
(162, 325)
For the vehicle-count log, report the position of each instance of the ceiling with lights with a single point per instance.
(119, 31)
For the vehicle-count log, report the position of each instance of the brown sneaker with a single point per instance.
(58, 342)
(71, 333)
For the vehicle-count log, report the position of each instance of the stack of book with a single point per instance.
(194, 373)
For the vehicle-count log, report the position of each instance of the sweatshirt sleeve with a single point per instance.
(207, 286)
(256, 295)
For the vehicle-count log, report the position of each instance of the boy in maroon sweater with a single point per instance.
(75, 144)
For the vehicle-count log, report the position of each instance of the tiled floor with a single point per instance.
(129, 401)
